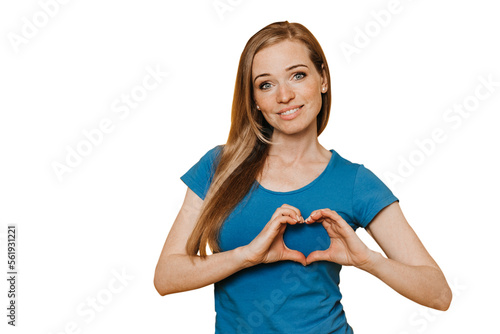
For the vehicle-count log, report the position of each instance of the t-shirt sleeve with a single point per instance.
(370, 195)
(199, 177)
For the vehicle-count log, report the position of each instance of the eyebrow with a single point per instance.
(287, 69)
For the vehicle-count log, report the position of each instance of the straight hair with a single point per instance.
(243, 156)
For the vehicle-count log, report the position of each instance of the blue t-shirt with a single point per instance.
(286, 297)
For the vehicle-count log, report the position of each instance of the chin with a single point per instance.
(294, 129)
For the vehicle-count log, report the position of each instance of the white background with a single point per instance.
(113, 211)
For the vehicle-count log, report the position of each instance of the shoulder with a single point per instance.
(200, 175)
(340, 175)
(344, 166)
(214, 152)
(367, 191)
(359, 171)
(354, 175)
(212, 155)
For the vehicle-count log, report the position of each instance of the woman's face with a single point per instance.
(287, 87)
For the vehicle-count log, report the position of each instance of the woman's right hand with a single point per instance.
(268, 246)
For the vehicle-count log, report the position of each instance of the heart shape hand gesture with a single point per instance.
(345, 246)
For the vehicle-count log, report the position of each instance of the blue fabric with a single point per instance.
(286, 297)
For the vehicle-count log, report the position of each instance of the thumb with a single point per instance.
(295, 255)
(317, 256)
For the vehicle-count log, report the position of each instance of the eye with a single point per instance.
(299, 75)
(264, 86)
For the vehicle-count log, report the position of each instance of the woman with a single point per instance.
(274, 271)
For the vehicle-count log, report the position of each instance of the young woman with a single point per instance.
(274, 271)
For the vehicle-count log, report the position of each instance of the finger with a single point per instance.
(317, 256)
(295, 255)
(276, 225)
(295, 210)
(284, 205)
(327, 213)
(272, 229)
(287, 220)
(321, 214)
(334, 229)
(336, 222)
(286, 211)
(314, 217)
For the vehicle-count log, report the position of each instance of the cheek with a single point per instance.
(266, 117)
(261, 100)
(313, 92)
(315, 96)
(265, 104)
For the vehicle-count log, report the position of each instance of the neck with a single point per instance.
(303, 146)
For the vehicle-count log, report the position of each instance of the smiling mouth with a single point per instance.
(289, 112)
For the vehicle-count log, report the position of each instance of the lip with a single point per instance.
(289, 108)
(291, 116)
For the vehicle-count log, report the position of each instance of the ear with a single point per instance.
(324, 82)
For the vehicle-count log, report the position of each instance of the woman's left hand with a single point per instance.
(346, 248)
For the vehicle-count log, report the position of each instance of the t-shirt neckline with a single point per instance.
(310, 184)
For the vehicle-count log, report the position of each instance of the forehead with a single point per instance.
(280, 56)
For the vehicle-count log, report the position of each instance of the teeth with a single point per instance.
(289, 112)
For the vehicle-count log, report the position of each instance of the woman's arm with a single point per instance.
(177, 271)
(408, 268)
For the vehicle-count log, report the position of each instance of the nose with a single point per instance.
(285, 93)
